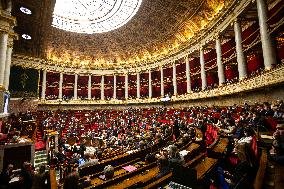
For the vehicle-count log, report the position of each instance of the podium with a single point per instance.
(16, 154)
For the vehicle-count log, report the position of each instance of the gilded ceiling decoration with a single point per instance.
(158, 29)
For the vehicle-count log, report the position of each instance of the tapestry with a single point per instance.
(23, 82)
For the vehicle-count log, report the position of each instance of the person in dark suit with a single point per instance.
(26, 176)
(72, 181)
(164, 167)
(5, 177)
(40, 178)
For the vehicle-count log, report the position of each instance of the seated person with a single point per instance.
(277, 152)
(5, 177)
(175, 159)
(40, 178)
(72, 181)
(108, 172)
(150, 158)
(229, 130)
(3, 138)
(164, 166)
(247, 138)
(245, 167)
(88, 160)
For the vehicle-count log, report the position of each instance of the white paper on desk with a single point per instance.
(14, 179)
(267, 137)
(183, 153)
(198, 139)
(130, 152)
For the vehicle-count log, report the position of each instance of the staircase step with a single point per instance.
(40, 152)
(41, 156)
(40, 160)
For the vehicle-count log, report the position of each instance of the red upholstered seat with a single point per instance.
(254, 146)
(271, 122)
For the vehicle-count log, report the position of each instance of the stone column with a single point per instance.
(9, 6)
(221, 75)
(43, 85)
(138, 85)
(114, 86)
(3, 53)
(126, 86)
(103, 87)
(175, 78)
(150, 84)
(162, 82)
(76, 87)
(8, 65)
(269, 56)
(202, 69)
(242, 67)
(60, 85)
(188, 83)
(90, 87)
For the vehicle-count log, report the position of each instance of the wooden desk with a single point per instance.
(143, 177)
(120, 159)
(16, 154)
(118, 172)
(205, 166)
(221, 146)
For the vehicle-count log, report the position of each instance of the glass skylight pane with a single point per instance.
(93, 16)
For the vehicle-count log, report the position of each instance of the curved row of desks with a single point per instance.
(145, 174)
(120, 159)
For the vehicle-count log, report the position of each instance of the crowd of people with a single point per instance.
(25, 178)
(131, 129)
(11, 129)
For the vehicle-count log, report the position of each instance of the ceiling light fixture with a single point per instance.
(93, 16)
(25, 10)
(26, 36)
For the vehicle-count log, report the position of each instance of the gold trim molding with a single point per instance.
(220, 25)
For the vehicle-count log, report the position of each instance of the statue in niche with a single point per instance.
(24, 77)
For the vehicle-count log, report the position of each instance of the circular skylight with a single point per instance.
(25, 10)
(93, 16)
(26, 36)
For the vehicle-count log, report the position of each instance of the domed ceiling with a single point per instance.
(157, 29)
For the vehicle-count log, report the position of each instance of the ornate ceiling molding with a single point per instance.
(217, 25)
(159, 29)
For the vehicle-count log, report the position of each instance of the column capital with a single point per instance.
(13, 35)
(217, 36)
(237, 20)
(10, 42)
(11, 20)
